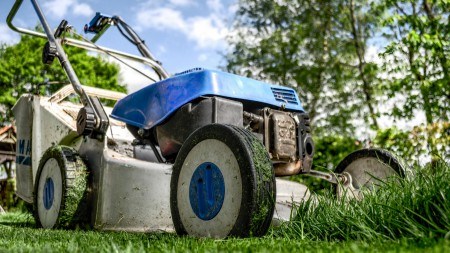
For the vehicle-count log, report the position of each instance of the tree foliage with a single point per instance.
(22, 70)
(416, 144)
(418, 56)
(418, 61)
(317, 47)
(321, 48)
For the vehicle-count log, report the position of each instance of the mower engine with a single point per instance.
(272, 113)
(287, 138)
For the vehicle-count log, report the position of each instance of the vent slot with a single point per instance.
(189, 71)
(284, 95)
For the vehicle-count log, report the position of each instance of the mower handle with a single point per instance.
(60, 54)
(85, 45)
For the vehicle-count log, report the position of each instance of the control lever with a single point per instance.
(61, 28)
(98, 25)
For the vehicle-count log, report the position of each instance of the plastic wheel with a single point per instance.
(368, 169)
(60, 193)
(222, 184)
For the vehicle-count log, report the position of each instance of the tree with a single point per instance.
(317, 47)
(22, 70)
(418, 59)
(320, 48)
(412, 144)
(419, 56)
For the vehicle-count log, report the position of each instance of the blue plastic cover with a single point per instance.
(149, 106)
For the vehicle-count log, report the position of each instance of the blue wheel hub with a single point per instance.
(49, 193)
(207, 191)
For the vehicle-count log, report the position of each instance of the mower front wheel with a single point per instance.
(60, 193)
(222, 184)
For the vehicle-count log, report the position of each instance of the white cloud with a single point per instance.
(214, 5)
(161, 18)
(83, 10)
(206, 31)
(202, 57)
(134, 80)
(59, 8)
(181, 2)
(8, 36)
(233, 8)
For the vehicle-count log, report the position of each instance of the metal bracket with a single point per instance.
(103, 121)
(49, 53)
(333, 178)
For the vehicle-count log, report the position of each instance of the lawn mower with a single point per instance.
(201, 152)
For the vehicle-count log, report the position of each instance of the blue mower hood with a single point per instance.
(151, 105)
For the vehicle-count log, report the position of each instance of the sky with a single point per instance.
(182, 34)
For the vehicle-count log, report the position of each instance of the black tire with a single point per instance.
(61, 189)
(370, 166)
(254, 184)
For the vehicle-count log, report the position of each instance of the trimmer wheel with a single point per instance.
(222, 184)
(368, 169)
(60, 191)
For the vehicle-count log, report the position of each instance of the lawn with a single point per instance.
(413, 216)
(18, 234)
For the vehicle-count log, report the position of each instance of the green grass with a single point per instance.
(412, 216)
(415, 208)
(19, 235)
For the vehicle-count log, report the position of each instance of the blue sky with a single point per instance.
(182, 34)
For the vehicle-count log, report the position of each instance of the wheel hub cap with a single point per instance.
(49, 192)
(207, 191)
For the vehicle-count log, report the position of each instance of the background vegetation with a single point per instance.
(325, 50)
(22, 71)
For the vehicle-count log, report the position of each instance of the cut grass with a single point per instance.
(412, 216)
(17, 234)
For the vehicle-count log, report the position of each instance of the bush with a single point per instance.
(420, 145)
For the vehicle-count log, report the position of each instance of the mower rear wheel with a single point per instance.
(368, 169)
(60, 193)
(222, 184)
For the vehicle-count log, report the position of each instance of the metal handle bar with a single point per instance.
(85, 45)
(67, 90)
(54, 42)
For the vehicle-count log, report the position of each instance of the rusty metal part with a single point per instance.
(287, 169)
(346, 189)
(305, 142)
(286, 136)
(307, 163)
(253, 121)
(333, 178)
(284, 141)
(279, 130)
